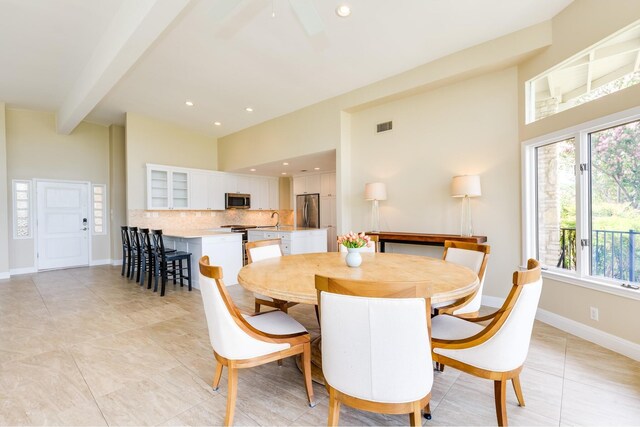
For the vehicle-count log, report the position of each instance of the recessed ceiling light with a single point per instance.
(188, 103)
(285, 164)
(252, 170)
(283, 173)
(217, 123)
(248, 110)
(343, 10)
(316, 169)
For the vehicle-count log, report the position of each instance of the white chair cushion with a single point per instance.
(473, 261)
(376, 349)
(508, 348)
(265, 252)
(227, 338)
(446, 327)
(275, 322)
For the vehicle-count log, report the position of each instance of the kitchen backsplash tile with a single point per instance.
(202, 220)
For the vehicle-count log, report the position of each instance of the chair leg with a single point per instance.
(181, 275)
(124, 261)
(427, 411)
(152, 269)
(518, 389)
(173, 266)
(414, 417)
(217, 376)
(143, 269)
(140, 257)
(317, 313)
(306, 364)
(334, 408)
(279, 362)
(500, 391)
(257, 307)
(232, 392)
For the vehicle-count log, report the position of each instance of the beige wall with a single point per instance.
(579, 26)
(5, 193)
(36, 150)
(285, 196)
(117, 188)
(465, 128)
(153, 141)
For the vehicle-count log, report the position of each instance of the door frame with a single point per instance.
(35, 212)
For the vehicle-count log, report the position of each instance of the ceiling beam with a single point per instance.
(134, 28)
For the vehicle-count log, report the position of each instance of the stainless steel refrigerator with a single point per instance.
(308, 210)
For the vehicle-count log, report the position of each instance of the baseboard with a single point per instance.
(99, 262)
(25, 270)
(589, 333)
(5, 275)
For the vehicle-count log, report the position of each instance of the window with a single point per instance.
(99, 209)
(582, 201)
(606, 67)
(22, 223)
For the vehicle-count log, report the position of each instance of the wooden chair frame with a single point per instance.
(497, 319)
(462, 302)
(375, 290)
(275, 303)
(300, 344)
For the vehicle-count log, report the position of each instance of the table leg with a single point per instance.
(316, 361)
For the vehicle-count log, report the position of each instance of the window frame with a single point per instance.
(582, 276)
(104, 210)
(14, 212)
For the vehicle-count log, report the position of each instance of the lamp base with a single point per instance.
(466, 224)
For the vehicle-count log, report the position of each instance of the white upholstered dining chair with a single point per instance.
(243, 341)
(375, 347)
(496, 351)
(257, 251)
(473, 256)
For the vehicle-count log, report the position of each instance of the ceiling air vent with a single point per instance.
(383, 127)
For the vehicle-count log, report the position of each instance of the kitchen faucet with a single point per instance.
(278, 221)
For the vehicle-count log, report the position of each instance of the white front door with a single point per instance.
(63, 227)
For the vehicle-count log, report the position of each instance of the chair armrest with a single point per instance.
(472, 318)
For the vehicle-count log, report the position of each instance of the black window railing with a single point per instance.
(614, 254)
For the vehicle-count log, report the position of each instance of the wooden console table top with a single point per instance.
(432, 239)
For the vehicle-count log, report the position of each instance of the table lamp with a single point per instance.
(375, 191)
(466, 186)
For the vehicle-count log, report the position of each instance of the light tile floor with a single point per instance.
(88, 347)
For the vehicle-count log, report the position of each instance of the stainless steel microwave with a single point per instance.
(237, 201)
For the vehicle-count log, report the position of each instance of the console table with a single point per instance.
(421, 238)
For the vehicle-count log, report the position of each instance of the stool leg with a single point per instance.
(144, 270)
(181, 275)
(173, 266)
(189, 272)
(124, 261)
(140, 257)
(152, 269)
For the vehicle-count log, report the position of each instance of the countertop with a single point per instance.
(191, 234)
(285, 228)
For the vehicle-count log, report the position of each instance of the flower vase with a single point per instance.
(354, 259)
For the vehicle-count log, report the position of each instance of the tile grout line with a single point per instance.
(75, 362)
(564, 372)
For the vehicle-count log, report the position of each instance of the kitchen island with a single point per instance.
(223, 248)
(294, 240)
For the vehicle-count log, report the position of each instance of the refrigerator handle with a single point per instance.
(305, 214)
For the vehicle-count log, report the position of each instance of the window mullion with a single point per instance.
(582, 205)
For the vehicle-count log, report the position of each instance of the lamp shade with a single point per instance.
(375, 191)
(466, 186)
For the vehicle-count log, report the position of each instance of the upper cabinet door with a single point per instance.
(328, 184)
(230, 183)
(157, 188)
(299, 185)
(179, 190)
(313, 184)
(244, 184)
(216, 191)
(199, 199)
(274, 194)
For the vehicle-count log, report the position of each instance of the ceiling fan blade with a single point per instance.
(308, 16)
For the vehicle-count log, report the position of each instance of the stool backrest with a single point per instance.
(145, 240)
(158, 245)
(124, 232)
(134, 241)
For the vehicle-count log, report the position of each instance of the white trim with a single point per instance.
(23, 270)
(596, 336)
(94, 262)
(14, 216)
(105, 210)
(592, 283)
(5, 275)
(591, 334)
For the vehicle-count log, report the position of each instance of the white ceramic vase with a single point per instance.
(354, 259)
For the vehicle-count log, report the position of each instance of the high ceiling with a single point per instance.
(226, 55)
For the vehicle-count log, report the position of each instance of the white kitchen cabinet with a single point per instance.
(328, 218)
(308, 184)
(207, 191)
(167, 188)
(328, 184)
(223, 249)
(234, 183)
(259, 193)
(294, 241)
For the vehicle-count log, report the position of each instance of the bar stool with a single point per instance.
(134, 259)
(126, 249)
(148, 260)
(162, 260)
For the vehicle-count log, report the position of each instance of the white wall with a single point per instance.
(466, 128)
(5, 192)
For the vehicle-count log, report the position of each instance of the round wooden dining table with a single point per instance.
(292, 278)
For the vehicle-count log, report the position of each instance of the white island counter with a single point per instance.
(223, 248)
(295, 240)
